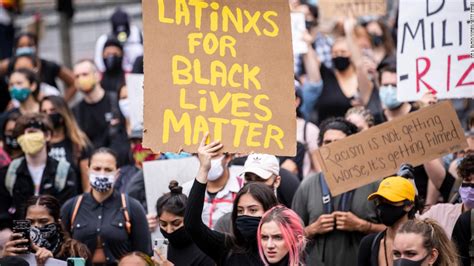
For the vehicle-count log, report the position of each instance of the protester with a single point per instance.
(28, 62)
(423, 243)
(446, 214)
(395, 201)
(24, 89)
(222, 187)
(113, 78)
(68, 141)
(27, 44)
(240, 247)
(462, 237)
(281, 239)
(130, 37)
(348, 84)
(98, 115)
(360, 117)
(49, 239)
(35, 173)
(170, 212)
(136, 258)
(382, 42)
(9, 141)
(334, 224)
(109, 223)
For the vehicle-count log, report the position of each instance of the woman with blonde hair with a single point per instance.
(68, 141)
(423, 243)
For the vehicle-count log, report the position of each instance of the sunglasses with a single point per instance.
(467, 185)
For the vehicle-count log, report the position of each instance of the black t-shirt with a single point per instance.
(369, 250)
(113, 81)
(48, 72)
(332, 102)
(94, 119)
(190, 255)
(462, 236)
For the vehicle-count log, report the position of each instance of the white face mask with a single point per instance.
(101, 182)
(217, 169)
(124, 105)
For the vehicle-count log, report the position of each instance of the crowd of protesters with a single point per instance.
(74, 171)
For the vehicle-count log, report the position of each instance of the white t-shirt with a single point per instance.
(36, 173)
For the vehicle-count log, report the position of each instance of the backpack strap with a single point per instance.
(128, 224)
(327, 199)
(77, 205)
(375, 253)
(61, 175)
(10, 178)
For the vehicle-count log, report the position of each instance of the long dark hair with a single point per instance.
(261, 193)
(173, 202)
(69, 247)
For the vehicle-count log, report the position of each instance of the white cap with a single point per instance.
(263, 165)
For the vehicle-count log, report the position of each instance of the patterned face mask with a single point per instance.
(101, 182)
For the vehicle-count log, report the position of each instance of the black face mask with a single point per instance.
(56, 119)
(309, 24)
(179, 238)
(341, 63)
(390, 214)
(113, 63)
(47, 237)
(407, 262)
(377, 40)
(248, 226)
(11, 142)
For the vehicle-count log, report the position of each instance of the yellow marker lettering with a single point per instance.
(257, 102)
(228, 42)
(214, 17)
(197, 73)
(275, 30)
(235, 68)
(239, 129)
(182, 101)
(251, 76)
(182, 11)
(238, 101)
(198, 5)
(218, 122)
(276, 137)
(218, 106)
(202, 101)
(193, 41)
(218, 70)
(252, 133)
(184, 122)
(200, 128)
(238, 21)
(252, 22)
(181, 76)
(210, 43)
(161, 13)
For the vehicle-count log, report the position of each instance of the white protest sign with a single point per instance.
(433, 50)
(135, 97)
(298, 28)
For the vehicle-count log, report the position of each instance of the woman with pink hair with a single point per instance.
(281, 238)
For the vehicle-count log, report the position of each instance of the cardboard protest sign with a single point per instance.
(225, 68)
(135, 96)
(433, 50)
(298, 28)
(330, 9)
(368, 156)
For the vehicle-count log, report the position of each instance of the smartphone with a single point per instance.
(76, 262)
(162, 245)
(23, 227)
